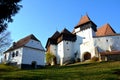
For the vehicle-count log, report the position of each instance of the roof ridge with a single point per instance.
(31, 36)
(55, 34)
(65, 31)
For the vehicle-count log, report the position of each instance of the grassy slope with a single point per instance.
(94, 71)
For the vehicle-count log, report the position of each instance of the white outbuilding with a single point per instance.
(26, 53)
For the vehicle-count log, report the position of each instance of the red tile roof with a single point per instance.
(83, 20)
(110, 53)
(22, 42)
(105, 30)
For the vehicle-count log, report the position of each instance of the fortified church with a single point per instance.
(86, 41)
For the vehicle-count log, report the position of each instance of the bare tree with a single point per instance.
(5, 41)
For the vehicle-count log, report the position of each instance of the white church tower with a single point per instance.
(85, 31)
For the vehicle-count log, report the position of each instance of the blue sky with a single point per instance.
(43, 17)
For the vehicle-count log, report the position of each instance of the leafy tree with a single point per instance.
(49, 58)
(5, 41)
(8, 8)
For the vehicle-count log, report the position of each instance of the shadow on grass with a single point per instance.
(116, 71)
(70, 66)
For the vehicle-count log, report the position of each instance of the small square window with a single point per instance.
(66, 42)
(106, 40)
(17, 53)
(13, 54)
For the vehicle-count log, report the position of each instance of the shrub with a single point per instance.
(95, 58)
(49, 58)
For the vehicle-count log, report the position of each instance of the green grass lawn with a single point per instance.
(92, 71)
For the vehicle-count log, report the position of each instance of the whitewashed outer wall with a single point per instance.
(84, 41)
(104, 43)
(35, 44)
(60, 52)
(17, 59)
(86, 34)
(87, 47)
(65, 51)
(30, 54)
(68, 50)
(77, 45)
(33, 51)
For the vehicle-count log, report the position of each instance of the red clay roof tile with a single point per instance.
(105, 30)
(110, 53)
(84, 20)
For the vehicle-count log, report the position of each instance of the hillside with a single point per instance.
(93, 71)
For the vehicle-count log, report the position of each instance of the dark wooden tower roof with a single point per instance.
(66, 35)
(52, 39)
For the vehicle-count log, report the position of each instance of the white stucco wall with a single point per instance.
(86, 34)
(33, 51)
(17, 59)
(77, 45)
(35, 44)
(87, 47)
(68, 50)
(84, 41)
(65, 51)
(60, 52)
(31, 54)
(104, 43)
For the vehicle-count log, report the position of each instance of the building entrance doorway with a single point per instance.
(34, 64)
(87, 56)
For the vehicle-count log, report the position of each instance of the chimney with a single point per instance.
(14, 44)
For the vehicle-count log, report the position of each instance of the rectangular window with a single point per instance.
(66, 42)
(17, 53)
(13, 54)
